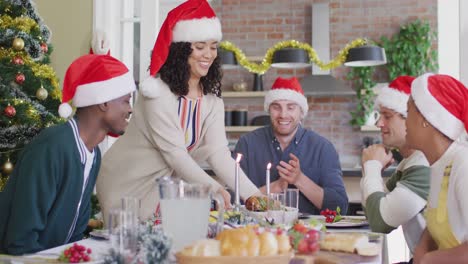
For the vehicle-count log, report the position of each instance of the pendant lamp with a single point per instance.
(365, 56)
(290, 58)
(228, 59)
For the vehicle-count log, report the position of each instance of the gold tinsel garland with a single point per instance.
(3, 181)
(42, 71)
(261, 68)
(24, 24)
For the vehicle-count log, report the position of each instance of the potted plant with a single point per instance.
(409, 52)
(362, 79)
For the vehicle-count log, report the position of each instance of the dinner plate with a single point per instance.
(100, 234)
(347, 221)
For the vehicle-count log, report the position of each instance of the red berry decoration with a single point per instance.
(9, 111)
(76, 253)
(20, 78)
(332, 216)
(44, 47)
(18, 61)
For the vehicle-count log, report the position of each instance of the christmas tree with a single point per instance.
(29, 87)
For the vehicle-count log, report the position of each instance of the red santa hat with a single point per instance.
(395, 95)
(287, 89)
(193, 20)
(94, 79)
(442, 100)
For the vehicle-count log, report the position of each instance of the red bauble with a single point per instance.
(18, 61)
(44, 47)
(20, 78)
(9, 111)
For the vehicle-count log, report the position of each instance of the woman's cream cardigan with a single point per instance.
(154, 146)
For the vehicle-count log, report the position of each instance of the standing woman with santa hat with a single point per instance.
(437, 116)
(178, 118)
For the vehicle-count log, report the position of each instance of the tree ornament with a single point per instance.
(20, 78)
(42, 93)
(7, 167)
(18, 60)
(44, 47)
(18, 44)
(9, 111)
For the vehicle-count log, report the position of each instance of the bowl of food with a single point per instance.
(271, 211)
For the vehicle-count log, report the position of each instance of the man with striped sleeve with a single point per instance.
(401, 200)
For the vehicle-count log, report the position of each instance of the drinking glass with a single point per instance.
(185, 209)
(291, 204)
(275, 208)
(123, 228)
(132, 204)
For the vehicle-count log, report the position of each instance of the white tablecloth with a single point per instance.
(99, 249)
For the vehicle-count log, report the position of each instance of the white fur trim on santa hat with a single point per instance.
(433, 111)
(197, 30)
(100, 43)
(65, 110)
(286, 94)
(103, 91)
(153, 87)
(393, 99)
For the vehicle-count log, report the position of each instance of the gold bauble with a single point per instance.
(240, 86)
(7, 167)
(42, 93)
(18, 44)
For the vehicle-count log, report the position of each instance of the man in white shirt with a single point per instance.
(403, 197)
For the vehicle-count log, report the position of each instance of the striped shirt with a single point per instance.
(189, 115)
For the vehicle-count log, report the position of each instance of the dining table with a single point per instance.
(100, 247)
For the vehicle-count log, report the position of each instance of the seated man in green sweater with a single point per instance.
(46, 201)
(402, 199)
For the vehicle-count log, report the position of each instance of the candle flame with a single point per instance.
(269, 166)
(239, 157)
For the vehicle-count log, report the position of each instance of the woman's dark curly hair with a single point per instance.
(176, 71)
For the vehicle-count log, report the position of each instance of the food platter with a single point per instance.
(276, 259)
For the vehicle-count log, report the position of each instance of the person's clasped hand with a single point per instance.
(290, 171)
(379, 153)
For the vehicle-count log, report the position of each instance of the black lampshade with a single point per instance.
(365, 56)
(290, 58)
(228, 59)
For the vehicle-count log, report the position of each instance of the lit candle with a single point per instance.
(268, 179)
(236, 182)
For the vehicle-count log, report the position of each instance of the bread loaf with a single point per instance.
(247, 242)
(268, 244)
(203, 247)
(284, 245)
(239, 242)
(344, 242)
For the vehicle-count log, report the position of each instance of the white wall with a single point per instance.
(70, 22)
(449, 37)
(463, 42)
